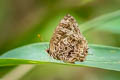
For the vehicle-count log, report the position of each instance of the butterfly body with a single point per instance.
(67, 42)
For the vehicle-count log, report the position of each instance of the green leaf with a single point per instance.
(104, 57)
(103, 30)
(109, 22)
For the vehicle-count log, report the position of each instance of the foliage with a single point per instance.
(99, 56)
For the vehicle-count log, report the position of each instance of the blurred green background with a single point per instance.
(28, 21)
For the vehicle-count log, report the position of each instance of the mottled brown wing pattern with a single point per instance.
(67, 42)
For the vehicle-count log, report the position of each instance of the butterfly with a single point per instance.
(67, 42)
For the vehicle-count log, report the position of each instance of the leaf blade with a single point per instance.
(109, 21)
(99, 56)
